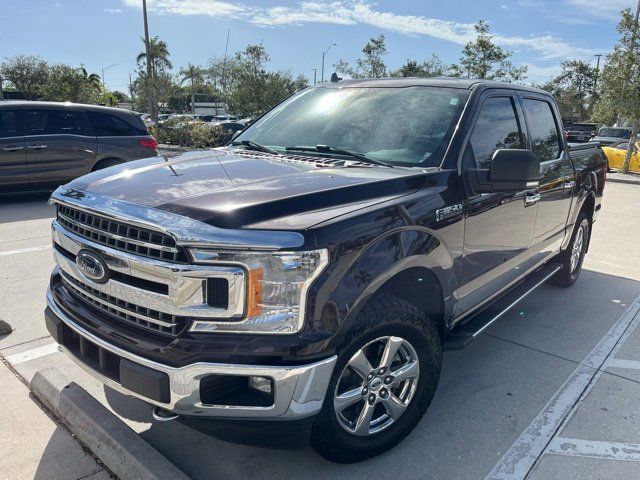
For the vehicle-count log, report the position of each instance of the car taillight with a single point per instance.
(149, 143)
(566, 135)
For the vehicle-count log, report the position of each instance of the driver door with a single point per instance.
(499, 227)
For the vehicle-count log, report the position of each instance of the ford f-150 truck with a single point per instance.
(311, 273)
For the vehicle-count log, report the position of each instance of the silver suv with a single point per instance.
(46, 144)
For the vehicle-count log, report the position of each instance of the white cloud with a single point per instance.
(352, 12)
(113, 10)
(607, 9)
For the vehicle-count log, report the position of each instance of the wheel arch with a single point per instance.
(102, 160)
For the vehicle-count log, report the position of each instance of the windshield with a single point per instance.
(614, 132)
(399, 126)
(581, 127)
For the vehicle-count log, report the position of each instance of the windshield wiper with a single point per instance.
(340, 151)
(256, 146)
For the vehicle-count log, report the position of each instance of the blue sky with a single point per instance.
(98, 33)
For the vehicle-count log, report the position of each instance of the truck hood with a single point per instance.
(234, 188)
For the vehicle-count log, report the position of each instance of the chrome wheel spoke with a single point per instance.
(360, 364)
(346, 399)
(409, 370)
(390, 351)
(394, 406)
(364, 419)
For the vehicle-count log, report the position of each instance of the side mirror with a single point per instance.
(511, 170)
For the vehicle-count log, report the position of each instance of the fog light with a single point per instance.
(262, 384)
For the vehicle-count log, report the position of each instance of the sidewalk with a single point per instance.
(33, 445)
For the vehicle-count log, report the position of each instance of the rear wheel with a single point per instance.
(384, 380)
(573, 257)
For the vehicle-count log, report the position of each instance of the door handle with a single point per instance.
(36, 147)
(568, 185)
(12, 149)
(531, 198)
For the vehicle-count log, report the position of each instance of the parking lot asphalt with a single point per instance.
(549, 391)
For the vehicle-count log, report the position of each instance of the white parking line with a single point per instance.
(32, 354)
(525, 451)
(595, 449)
(25, 250)
(623, 363)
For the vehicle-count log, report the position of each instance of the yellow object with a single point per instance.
(616, 156)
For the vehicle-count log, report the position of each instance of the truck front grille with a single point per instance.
(126, 311)
(120, 236)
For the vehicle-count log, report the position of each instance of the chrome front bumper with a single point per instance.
(298, 390)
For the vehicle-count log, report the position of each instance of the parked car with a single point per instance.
(314, 270)
(232, 127)
(611, 135)
(616, 154)
(581, 132)
(46, 144)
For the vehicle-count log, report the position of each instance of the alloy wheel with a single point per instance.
(376, 386)
(576, 251)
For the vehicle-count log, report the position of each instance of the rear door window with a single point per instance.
(108, 125)
(54, 122)
(496, 128)
(10, 123)
(543, 130)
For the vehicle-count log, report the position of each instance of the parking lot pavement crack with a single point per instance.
(5, 347)
(603, 369)
(533, 442)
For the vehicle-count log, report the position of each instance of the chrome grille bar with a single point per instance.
(140, 316)
(119, 235)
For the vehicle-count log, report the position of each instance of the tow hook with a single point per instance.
(162, 415)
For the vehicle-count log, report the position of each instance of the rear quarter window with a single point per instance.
(109, 125)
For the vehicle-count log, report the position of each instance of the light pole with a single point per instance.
(315, 75)
(323, 54)
(104, 87)
(153, 104)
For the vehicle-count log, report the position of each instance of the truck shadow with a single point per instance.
(487, 396)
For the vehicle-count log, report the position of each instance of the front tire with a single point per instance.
(573, 257)
(384, 380)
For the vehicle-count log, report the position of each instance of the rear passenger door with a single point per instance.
(60, 145)
(13, 164)
(556, 171)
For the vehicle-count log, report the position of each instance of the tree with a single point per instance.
(159, 53)
(70, 84)
(371, 65)
(434, 67)
(481, 58)
(151, 91)
(27, 74)
(93, 80)
(573, 89)
(195, 76)
(252, 89)
(620, 98)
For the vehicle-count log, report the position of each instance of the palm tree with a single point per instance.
(195, 75)
(93, 80)
(159, 53)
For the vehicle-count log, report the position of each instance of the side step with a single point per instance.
(463, 334)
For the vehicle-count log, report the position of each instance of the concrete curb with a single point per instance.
(121, 449)
(623, 180)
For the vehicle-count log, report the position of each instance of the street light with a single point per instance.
(323, 54)
(104, 88)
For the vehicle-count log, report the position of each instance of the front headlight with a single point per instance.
(276, 289)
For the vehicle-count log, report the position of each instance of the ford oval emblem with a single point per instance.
(92, 266)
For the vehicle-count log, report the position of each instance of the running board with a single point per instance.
(463, 334)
